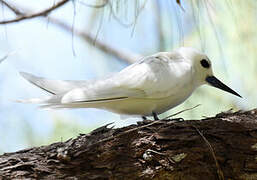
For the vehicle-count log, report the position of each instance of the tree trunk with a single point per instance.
(221, 147)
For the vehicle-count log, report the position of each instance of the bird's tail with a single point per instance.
(52, 86)
(53, 102)
(31, 101)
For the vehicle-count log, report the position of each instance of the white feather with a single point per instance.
(156, 83)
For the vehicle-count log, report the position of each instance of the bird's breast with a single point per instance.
(171, 101)
(146, 106)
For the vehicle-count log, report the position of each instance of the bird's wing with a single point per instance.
(149, 78)
(144, 79)
(53, 86)
(79, 91)
(101, 90)
(154, 75)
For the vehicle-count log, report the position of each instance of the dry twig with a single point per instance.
(121, 54)
(30, 16)
(219, 171)
(12, 8)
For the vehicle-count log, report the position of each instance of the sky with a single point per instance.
(46, 50)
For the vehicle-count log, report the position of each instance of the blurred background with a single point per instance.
(87, 39)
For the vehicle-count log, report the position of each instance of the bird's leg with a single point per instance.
(155, 116)
(144, 118)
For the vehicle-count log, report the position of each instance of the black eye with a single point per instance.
(205, 63)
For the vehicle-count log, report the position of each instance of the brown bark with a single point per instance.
(221, 147)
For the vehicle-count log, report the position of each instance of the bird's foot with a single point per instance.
(145, 121)
(155, 116)
(144, 118)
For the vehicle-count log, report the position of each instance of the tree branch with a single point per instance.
(30, 16)
(119, 53)
(12, 8)
(163, 150)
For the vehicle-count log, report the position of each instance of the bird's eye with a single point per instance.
(205, 63)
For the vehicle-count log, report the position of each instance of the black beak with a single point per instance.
(213, 81)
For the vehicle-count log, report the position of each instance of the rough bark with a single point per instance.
(221, 147)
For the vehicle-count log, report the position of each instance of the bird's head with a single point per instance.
(202, 69)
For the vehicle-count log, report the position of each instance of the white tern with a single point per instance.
(150, 86)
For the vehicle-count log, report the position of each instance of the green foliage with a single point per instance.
(65, 128)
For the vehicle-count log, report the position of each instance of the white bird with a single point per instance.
(150, 86)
